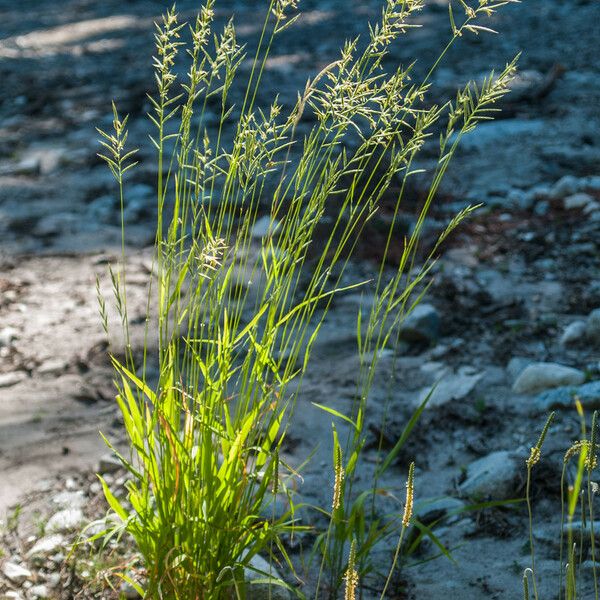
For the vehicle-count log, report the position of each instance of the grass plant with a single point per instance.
(237, 318)
(577, 493)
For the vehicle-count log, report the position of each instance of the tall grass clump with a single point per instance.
(234, 319)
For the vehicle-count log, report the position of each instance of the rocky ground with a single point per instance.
(510, 328)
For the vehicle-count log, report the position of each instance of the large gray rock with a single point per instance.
(493, 476)
(563, 397)
(421, 325)
(542, 376)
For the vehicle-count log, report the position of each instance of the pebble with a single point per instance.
(15, 573)
(11, 595)
(563, 397)
(46, 546)
(517, 365)
(128, 591)
(38, 591)
(260, 569)
(10, 379)
(566, 186)
(421, 325)
(109, 463)
(573, 333)
(65, 520)
(27, 166)
(576, 201)
(493, 476)
(451, 387)
(70, 499)
(428, 510)
(541, 376)
(7, 336)
(52, 366)
(263, 226)
(592, 326)
(53, 579)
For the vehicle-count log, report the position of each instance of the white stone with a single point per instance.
(11, 595)
(10, 379)
(7, 336)
(47, 545)
(65, 520)
(542, 376)
(38, 591)
(69, 499)
(15, 573)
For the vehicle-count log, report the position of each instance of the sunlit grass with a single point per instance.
(238, 319)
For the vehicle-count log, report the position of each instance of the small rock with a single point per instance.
(46, 545)
(260, 569)
(139, 203)
(52, 366)
(53, 579)
(517, 365)
(263, 226)
(10, 379)
(592, 326)
(105, 209)
(128, 591)
(573, 333)
(541, 376)
(493, 476)
(70, 499)
(11, 595)
(65, 520)
(109, 463)
(579, 200)
(432, 509)
(38, 591)
(27, 166)
(15, 573)
(7, 336)
(563, 397)
(566, 186)
(541, 208)
(421, 325)
(451, 387)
